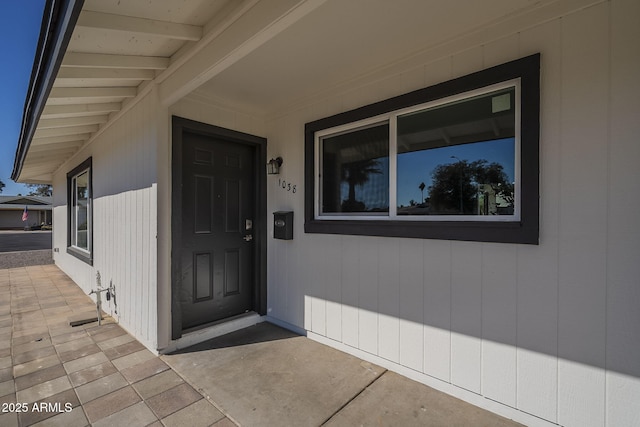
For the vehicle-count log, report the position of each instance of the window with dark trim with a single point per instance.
(455, 161)
(80, 212)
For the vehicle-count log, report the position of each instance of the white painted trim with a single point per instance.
(222, 328)
(391, 118)
(286, 325)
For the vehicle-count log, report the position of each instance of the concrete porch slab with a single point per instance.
(394, 400)
(266, 376)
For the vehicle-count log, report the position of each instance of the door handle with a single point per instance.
(248, 238)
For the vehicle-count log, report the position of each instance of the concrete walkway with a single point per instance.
(57, 375)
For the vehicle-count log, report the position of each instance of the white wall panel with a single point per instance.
(411, 304)
(316, 289)
(350, 280)
(124, 178)
(623, 244)
(537, 267)
(333, 285)
(389, 300)
(537, 331)
(296, 286)
(466, 315)
(499, 323)
(368, 295)
(437, 309)
(583, 216)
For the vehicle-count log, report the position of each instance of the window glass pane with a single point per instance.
(355, 171)
(81, 210)
(458, 158)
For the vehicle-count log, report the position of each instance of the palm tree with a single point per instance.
(422, 187)
(357, 173)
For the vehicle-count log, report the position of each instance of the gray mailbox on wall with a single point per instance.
(283, 225)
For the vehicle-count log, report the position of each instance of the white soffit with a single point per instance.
(116, 47)
(271, 57)
(345, 39)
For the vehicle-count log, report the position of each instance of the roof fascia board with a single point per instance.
(59, 19)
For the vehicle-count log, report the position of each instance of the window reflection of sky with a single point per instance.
(417, 166)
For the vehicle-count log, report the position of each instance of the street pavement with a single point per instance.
(18, 240)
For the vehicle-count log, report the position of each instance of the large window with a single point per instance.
(457, 161)
(80, 212)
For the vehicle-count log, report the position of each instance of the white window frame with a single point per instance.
(392, 118)
(85, 254)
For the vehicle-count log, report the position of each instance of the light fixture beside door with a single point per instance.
(273, 166)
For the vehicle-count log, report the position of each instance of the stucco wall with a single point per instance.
(551, 330)
(124, 218)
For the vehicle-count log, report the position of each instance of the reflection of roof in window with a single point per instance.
(461, 122)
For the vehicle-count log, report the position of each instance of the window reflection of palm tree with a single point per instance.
(357, 173)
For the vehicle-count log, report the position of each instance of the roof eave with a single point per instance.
(58, 22)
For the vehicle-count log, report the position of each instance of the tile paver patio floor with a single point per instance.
(82, 375)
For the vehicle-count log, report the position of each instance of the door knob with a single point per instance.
(248, 238)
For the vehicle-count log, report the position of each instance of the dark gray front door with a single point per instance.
(217, 247)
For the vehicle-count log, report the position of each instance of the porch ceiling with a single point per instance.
(117, 47)
(256, 54)
(343, 40)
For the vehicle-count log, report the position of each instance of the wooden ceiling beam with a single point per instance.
(100, 60)
(56, 146)
(60, 138)
(87, 73)
(77, 110)
(71, 132)
(71, 121)
(135, 25)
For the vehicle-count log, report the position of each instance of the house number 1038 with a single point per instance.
(286, 185)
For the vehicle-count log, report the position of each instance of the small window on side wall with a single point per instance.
(455, 161)
(80, 212)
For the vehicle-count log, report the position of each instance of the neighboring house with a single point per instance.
(12, 210)
(155, 124)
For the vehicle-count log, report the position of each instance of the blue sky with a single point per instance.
(417, 166)
(19, 29)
